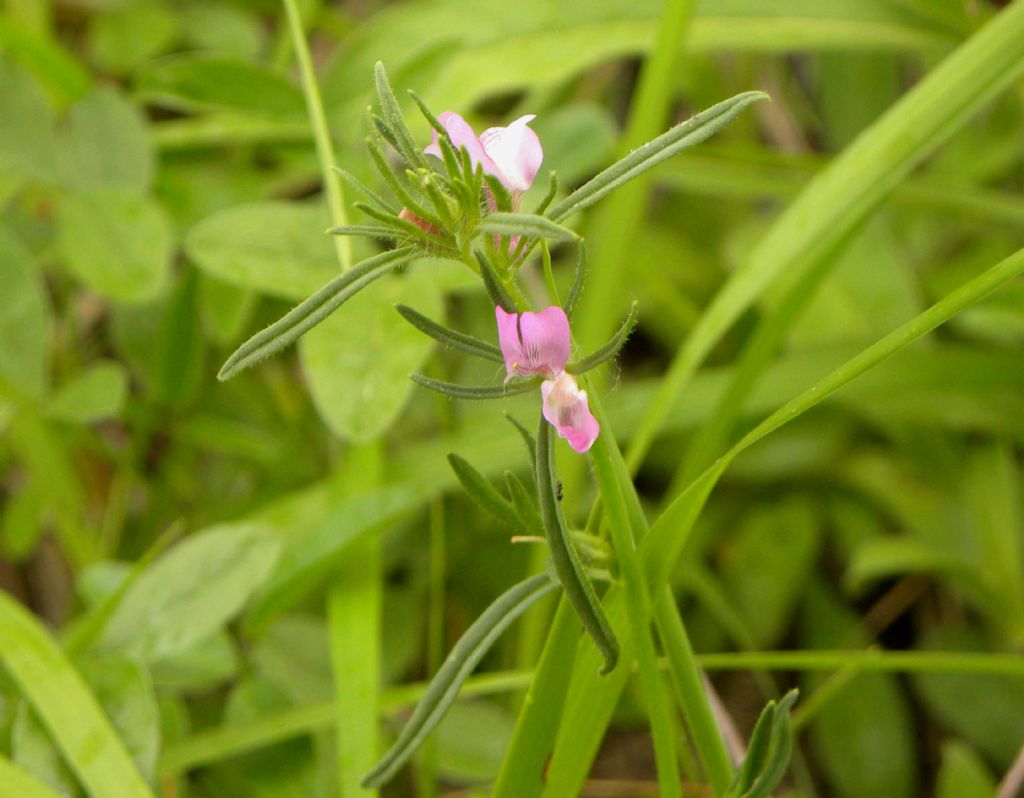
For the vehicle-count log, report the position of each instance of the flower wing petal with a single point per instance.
(461, 134)
(567, 409)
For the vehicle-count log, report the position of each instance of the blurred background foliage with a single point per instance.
(160, 201)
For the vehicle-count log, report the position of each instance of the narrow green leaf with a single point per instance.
(566, 561)
(63, 75)
(525, 225)
(525, 504)
(457, 391)
(449, 337)
(69, 711)
(502, 197)
(482, 491)
(796, 250)
(780, 749)
(693, 131)
(368, 230)
(406, 144)
(610, 349)
(430, 239)
(18, 783)
(499, 296)
(661, 546)
(527, 436)
(448, 154)
(365, 190)
(757, 752)
(307, 315)
(380, 162)
(550, 195)
(577, 283)
(432, 120)
(464, 657)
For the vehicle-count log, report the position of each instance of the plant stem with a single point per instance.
(321, 133)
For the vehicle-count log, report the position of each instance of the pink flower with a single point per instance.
(538, 343)
(512, 154)
(533, 343)
(567, 410)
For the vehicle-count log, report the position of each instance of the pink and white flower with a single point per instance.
(566, 408)
(538, 344)
(533, 343)
(512, 154)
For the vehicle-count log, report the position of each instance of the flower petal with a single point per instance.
(545, 340)
(515, 151)
(461, 134)
(508, 339)
(567, 409)
(534, 343)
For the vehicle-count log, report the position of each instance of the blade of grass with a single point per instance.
(841, 196)
(614, 225)
(18, 783)
(321, 133)
(762, 173)
(66, 707)
(354, 622)
(224, 742)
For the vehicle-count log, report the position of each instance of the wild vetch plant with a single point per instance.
(460, 197)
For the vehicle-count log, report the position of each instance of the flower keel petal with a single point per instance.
(566, 408)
